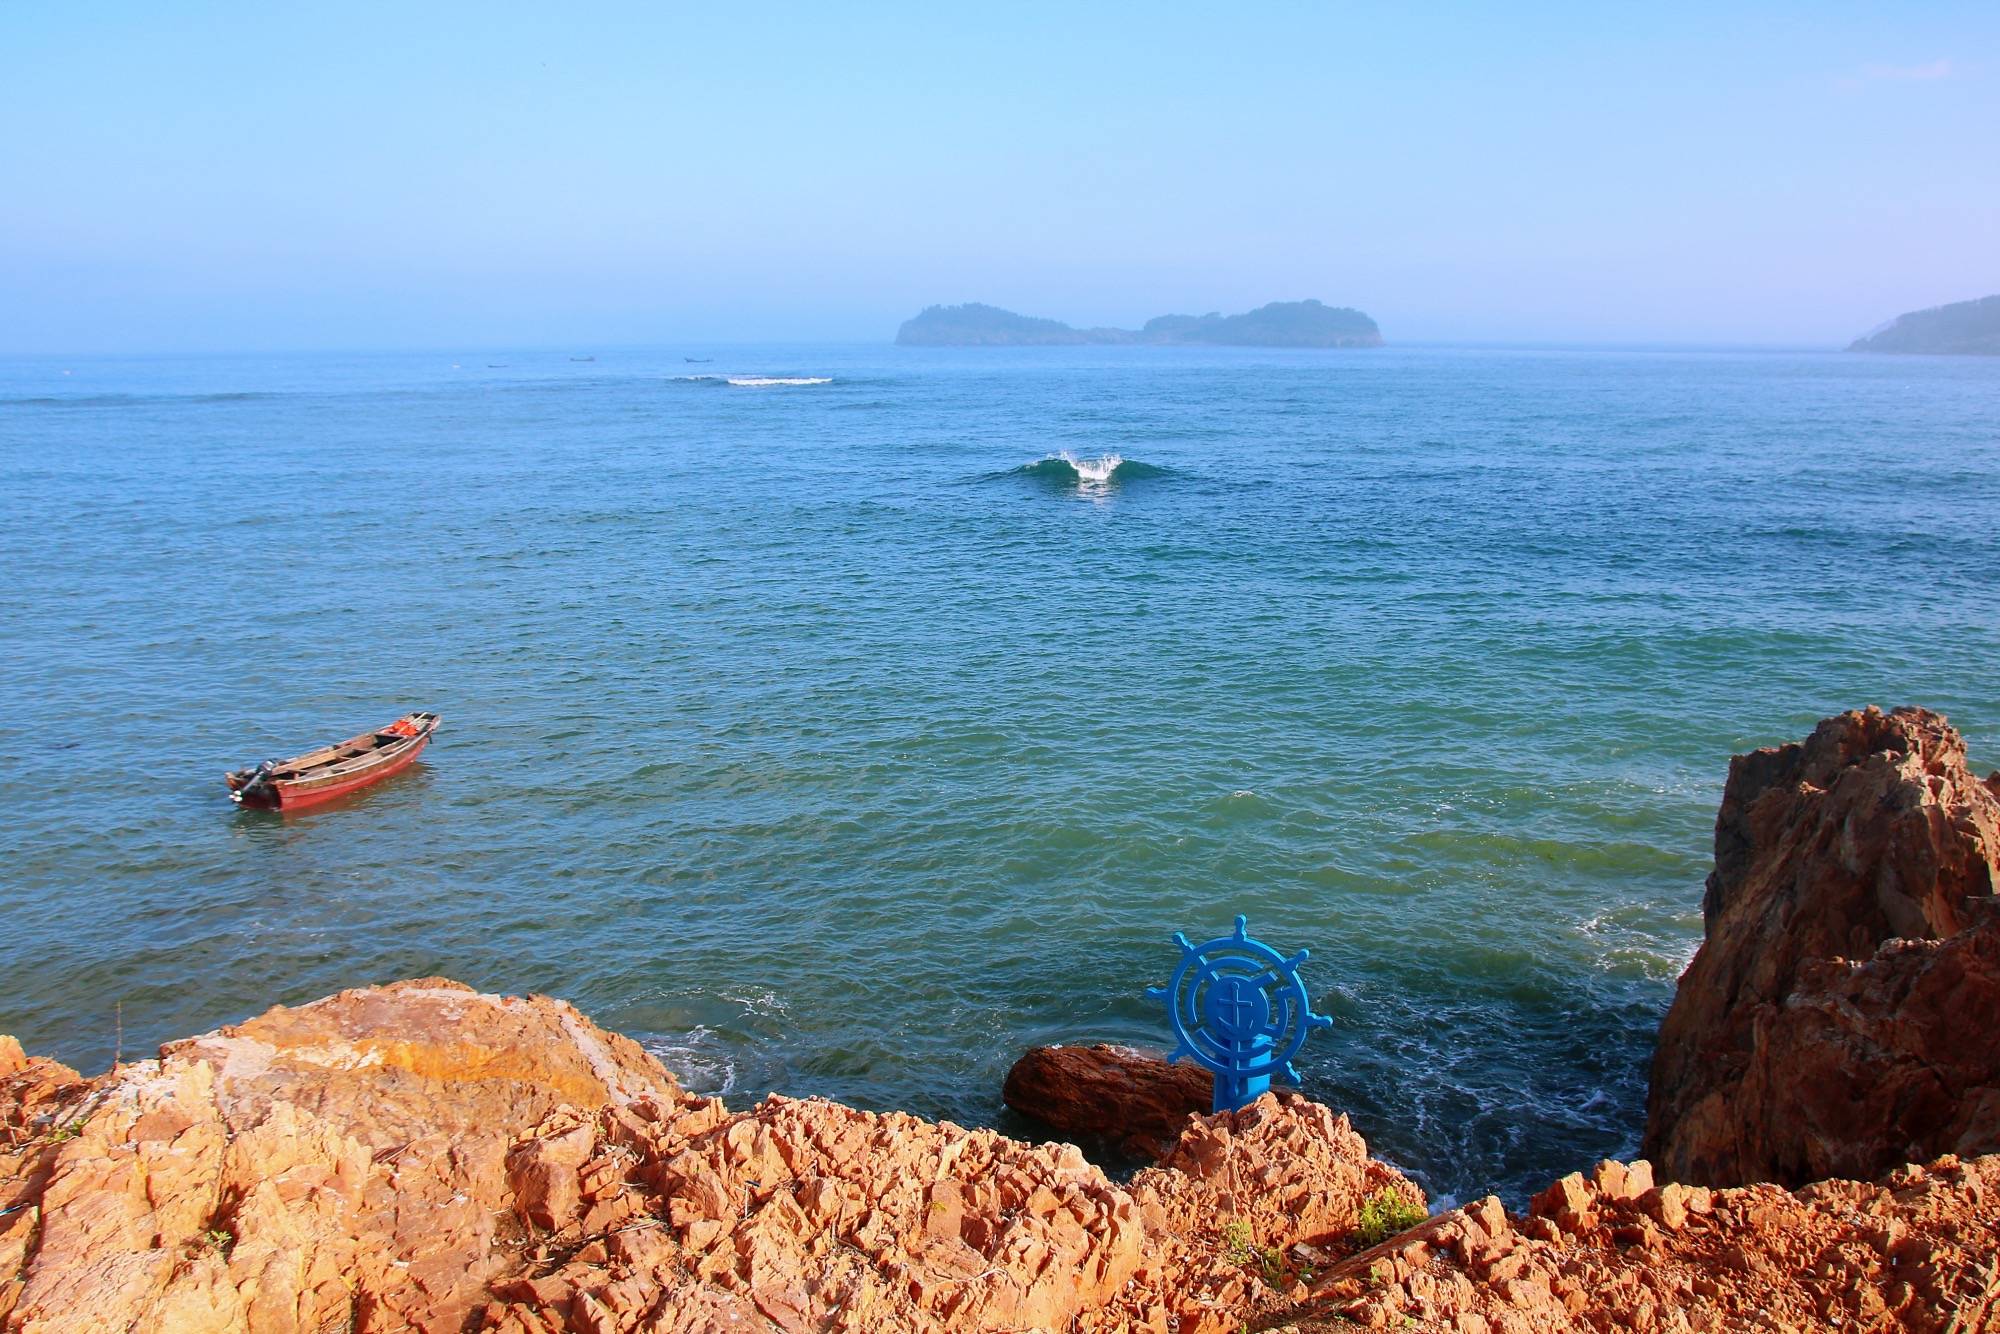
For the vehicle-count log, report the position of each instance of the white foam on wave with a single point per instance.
(754, 381)
(1096, 471)
(697, 1060)
(762, 1002)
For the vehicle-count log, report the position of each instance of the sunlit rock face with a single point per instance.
(1843, 1013)
(424, 1157)
(1614, 1250)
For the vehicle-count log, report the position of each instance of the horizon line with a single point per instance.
(678, 346)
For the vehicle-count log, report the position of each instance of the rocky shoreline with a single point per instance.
(422, 1156)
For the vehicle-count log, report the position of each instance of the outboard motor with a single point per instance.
(257, 785)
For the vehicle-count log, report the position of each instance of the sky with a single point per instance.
(235, 177)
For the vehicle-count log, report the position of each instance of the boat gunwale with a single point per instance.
(319, 774)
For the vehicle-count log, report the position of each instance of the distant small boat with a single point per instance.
(333, 771)
(583, 358)
(698, 361)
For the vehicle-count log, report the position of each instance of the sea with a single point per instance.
(844, 720)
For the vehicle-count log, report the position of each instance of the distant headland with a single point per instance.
(1963, 327)
(1280, 324)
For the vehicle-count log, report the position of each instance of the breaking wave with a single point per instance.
(1066, 469)
(758, 381)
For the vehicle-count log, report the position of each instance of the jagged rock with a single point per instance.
(423, 1157)
(1852, 949)
(1913, 1252)
(293, 1171)
(1131, 1101)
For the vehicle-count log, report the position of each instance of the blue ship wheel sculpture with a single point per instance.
(1238, 1008)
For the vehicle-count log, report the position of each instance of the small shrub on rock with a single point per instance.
(1384, 1214)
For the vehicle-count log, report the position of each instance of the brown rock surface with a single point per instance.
(423, 1157)
(1132, 1101)
(808, 1215)
(1839, 1017)
(1613, 1251)
(332, 1164)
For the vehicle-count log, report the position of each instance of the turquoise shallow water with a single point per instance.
(829, 739)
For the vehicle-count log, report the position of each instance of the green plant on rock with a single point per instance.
(1384, 1214)
(1239, 1241)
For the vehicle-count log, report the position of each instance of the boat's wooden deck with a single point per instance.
(354, 755)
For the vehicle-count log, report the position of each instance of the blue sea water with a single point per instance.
(841, 738)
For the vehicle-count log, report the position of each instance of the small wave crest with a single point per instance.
(129, 400)
(1066, 469)
(698, 1059)
(755, 381)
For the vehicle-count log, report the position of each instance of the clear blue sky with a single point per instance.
(239, 177)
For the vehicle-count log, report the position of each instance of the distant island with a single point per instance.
(1962, 327)
(1280, 324)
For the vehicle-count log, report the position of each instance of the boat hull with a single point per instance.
(308, 789)
(293, 796)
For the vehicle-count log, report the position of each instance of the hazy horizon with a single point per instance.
(236, 180)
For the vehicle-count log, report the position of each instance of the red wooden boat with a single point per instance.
(333, 771)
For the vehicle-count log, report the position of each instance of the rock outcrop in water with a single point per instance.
(1131, 1102)
(1279, 324)
(1843, 1013)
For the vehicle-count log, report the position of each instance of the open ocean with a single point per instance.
(841, 738)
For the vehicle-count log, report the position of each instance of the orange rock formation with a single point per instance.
(1841, 1016)
(1614, 1251)
(421, 1156)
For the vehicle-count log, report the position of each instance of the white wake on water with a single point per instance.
(755, 381)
